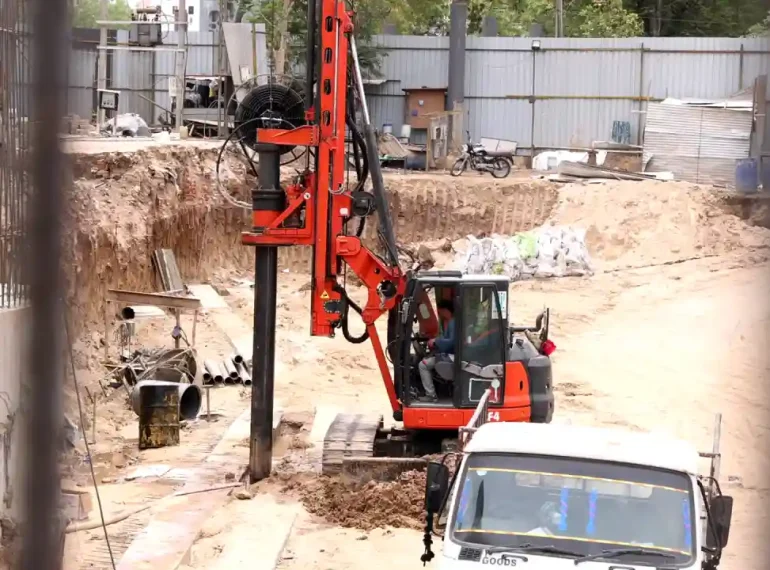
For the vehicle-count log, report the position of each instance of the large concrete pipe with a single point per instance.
(189, 398)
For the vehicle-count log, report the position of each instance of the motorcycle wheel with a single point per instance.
(458, 167)
(501, 168)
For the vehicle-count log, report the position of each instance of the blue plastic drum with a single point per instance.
(746, 175)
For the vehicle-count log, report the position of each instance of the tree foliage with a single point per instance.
(290, 17)
(86, 12)
(582, 18)
(698, 18)
(762, 28)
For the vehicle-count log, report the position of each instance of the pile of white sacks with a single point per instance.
(546, 252)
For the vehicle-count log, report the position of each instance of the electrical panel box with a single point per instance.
(145, 34)
(109, 99)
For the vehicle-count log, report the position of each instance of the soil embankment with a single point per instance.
(126, 205)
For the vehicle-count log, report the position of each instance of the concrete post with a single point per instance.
(489, 27)
(181, 59)
(101, 80)
(456, 79)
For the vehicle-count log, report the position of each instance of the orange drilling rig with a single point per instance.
(317, 210)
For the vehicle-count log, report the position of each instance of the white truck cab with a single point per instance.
(545, 497)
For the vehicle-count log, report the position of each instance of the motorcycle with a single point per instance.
(480, 159)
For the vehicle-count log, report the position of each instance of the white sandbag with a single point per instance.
(547, 252)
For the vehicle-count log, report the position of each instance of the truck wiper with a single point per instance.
(547, 549)
(622, 552)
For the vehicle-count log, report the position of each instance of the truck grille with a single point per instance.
(470, 554)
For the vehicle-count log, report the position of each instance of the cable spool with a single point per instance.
(271, 106)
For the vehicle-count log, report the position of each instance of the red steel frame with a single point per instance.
(327, 206)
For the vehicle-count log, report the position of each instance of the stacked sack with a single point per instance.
(547, 252)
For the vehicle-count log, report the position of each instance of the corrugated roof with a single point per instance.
(697, 144)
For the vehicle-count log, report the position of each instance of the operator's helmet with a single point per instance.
(549, 516)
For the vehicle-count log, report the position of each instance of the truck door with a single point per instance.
(480, 343)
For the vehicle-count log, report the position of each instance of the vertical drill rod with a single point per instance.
(263, 355)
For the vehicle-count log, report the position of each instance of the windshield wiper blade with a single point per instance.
(547, 549)
(622, 552)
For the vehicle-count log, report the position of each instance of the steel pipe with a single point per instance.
(232, 372)
(190, 398)
(243, 372)
(226, 372)
(263, 348)
(214, 371)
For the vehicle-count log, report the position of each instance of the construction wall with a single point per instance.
(580, 86)
(142, 77)
(14, 331)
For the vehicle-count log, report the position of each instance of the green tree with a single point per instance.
(86, 12)
(699, 18)
(288, 20)
(761, 29)
(420, 17)
(605, 19)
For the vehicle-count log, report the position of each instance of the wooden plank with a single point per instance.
(208, 296)
(156, 299)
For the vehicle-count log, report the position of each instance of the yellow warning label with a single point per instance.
(324, 295)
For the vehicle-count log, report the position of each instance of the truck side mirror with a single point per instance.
(436, 486)
(721, 509)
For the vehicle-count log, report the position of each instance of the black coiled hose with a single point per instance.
(347, 303)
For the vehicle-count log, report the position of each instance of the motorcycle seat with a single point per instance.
(500, 153)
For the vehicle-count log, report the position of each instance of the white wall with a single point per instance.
(14, 336)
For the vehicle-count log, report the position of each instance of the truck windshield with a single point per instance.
(578, 505)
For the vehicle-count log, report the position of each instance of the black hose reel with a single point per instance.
(270, 106)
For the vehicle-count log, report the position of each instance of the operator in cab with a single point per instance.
(444, 347)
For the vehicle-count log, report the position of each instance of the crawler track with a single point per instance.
(349, 435)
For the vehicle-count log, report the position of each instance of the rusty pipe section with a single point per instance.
(190, 398)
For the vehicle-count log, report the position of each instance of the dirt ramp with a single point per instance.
(638, 223)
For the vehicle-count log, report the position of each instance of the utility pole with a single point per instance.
(181, 60)
(455, 100)
(559, 18)
(102, 69)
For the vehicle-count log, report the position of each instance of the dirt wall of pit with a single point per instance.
(126, 205)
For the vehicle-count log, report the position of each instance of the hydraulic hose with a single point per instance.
(347, 303)
(359, 146)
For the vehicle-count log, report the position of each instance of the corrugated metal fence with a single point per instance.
(15, 74)
(141, 76)
(579, 86)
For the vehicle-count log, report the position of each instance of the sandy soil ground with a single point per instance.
(662, 337)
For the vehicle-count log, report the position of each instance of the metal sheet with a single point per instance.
(240, 39)
(697, 144)
(587, 83)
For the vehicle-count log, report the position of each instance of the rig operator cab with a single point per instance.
(513, 363)
(544, 497)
